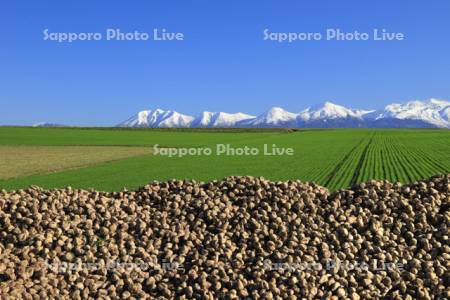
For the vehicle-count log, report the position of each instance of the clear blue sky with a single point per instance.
(222, 65)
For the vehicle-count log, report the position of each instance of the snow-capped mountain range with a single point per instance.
(46, 124)
(158, 118)
(414, 114)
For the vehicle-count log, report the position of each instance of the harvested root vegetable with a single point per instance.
(241, 237)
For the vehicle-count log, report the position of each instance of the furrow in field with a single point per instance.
(415, 161)
(381, 161)
(359, 170)
(376, 160)
(364, 167)
(325, 175)
(422, 161)
(426, 157)
(405, 168)
(389, 162)
(402, 167)
(342, 174)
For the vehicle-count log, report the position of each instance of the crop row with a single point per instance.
(384, 155)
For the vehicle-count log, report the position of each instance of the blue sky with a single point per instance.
(223, 63)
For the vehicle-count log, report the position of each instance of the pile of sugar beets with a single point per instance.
(239, 238)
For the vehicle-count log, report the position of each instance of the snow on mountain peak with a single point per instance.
(48, 124)
(430, 113)
(276, 116)
(158, 118)
(175, 119)
(329, 110)
(439, 103)
(220, 119)
(223, 119)
(433, 111)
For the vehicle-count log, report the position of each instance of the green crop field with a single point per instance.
(335, 158)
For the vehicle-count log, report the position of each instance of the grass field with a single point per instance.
(334, 158)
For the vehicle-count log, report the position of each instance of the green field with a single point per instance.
(335, 158)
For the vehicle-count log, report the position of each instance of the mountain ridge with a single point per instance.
(434, 113)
